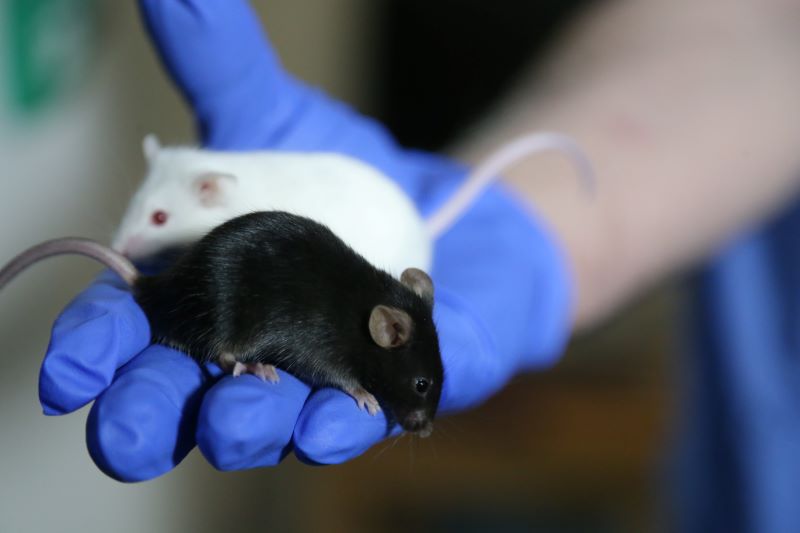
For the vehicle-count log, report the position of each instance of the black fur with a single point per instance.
(281, 289)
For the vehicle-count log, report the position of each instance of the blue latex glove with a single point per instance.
(502, 290)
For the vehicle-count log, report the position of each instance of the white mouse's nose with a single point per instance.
(131, 246)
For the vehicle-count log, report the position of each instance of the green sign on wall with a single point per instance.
(48, 46)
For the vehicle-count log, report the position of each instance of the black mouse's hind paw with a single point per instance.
(265, 372)
(364, 400)
(226, 362)
(229, 363)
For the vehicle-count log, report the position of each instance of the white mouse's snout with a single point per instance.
(132, 247)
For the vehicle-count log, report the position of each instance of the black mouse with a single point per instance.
(271, 289)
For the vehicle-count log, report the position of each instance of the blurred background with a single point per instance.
(583, 447)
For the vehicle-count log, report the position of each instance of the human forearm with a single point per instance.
(687, 112)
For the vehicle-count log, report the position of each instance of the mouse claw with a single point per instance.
(239, 368)
(365, 400)
(260, 370)
(265, 372)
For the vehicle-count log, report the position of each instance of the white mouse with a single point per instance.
(189, 191)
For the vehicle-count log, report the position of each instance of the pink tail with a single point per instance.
(113, 260)
(489, 170)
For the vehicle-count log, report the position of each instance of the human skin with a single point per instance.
(688, 111)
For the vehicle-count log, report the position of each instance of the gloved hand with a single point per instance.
(502, 301)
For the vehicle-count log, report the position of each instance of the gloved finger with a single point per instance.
(101, 330)
(332, 430)
(217, 53)
(144, 423)
(245, 422)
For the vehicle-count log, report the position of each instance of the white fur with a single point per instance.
(357, 202)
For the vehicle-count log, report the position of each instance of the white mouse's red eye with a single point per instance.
(159, 217)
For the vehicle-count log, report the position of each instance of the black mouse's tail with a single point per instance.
(113, 260)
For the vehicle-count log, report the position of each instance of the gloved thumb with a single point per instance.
(247, 96)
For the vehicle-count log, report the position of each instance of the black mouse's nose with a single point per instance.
(418, 422)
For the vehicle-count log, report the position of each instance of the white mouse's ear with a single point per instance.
(150, 146)
(210, 187)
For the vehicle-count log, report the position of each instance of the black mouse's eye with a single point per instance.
(159, 218)
(421, 385)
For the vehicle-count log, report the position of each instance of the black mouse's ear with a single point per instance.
(389, 327)
(209, 187)
(150, 146)
(419, 282)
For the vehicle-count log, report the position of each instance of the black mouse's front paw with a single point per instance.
(364, 400)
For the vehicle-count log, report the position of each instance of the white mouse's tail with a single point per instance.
(487, 172)
(113, 260)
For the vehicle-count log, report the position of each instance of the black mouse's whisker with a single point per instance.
(403, 434)
(451, 424)
(389, 446)
(412, 450)
(435, 451)
(385, 447)
(441, 431)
